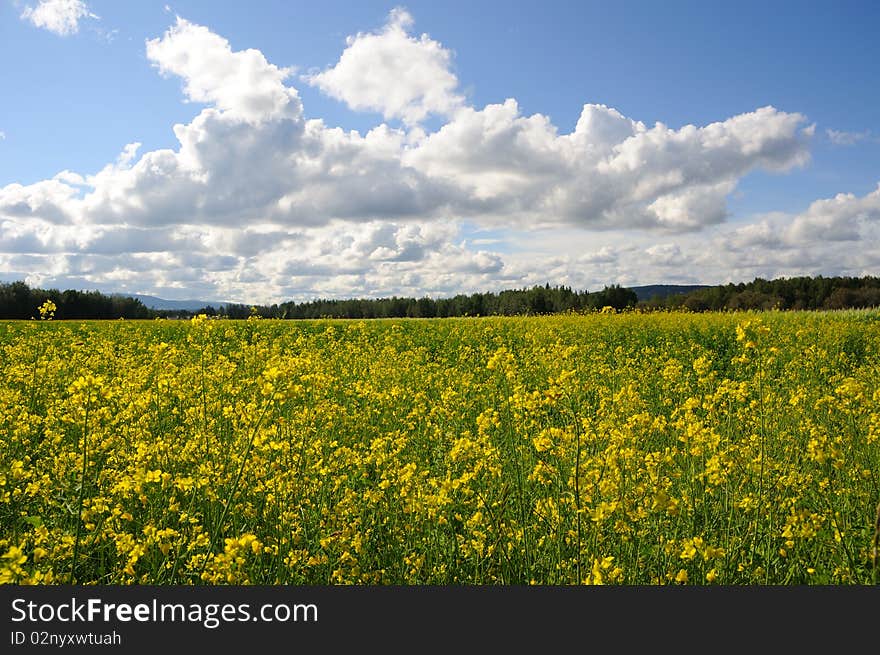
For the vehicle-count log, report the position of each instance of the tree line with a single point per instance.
(18, 301)
(795, 293)
(536, 300)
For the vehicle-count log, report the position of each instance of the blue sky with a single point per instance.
(423, 213)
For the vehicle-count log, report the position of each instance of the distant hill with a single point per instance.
(665, 290)
(160, 303)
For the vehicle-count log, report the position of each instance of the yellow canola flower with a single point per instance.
(454, 451)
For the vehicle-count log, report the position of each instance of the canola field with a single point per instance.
(647, 449)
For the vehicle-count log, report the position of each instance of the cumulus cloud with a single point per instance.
(611, 172)
(393, 73)
(48, 200)
(666, 254)
(242, 83)
(374, 258)
(759, 235)
(61, 17)
(842, 218)
(258, 203)
(252, 156)
(604, 255)
(833, 236)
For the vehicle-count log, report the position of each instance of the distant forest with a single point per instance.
(18, 301)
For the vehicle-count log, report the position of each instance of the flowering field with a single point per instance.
(618, 449)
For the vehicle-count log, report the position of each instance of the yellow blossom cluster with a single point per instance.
(611, 448)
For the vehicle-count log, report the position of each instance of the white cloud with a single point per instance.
(611, 172)
(58, 16)
(494, 155)
(376, 258)
(393, 73)
(842, 218)
(833, 236)
(666, 254)
(251, 156)
(49, 200)
(604, 255)
(761, 234)
(843, 138)
(257, 204)
(241, 83)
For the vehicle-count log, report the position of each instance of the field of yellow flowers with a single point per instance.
(608, 448)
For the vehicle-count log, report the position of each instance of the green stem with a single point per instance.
(874, 552)
(577, 490)
(219, 527)
(517, 463)
(82, 490)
